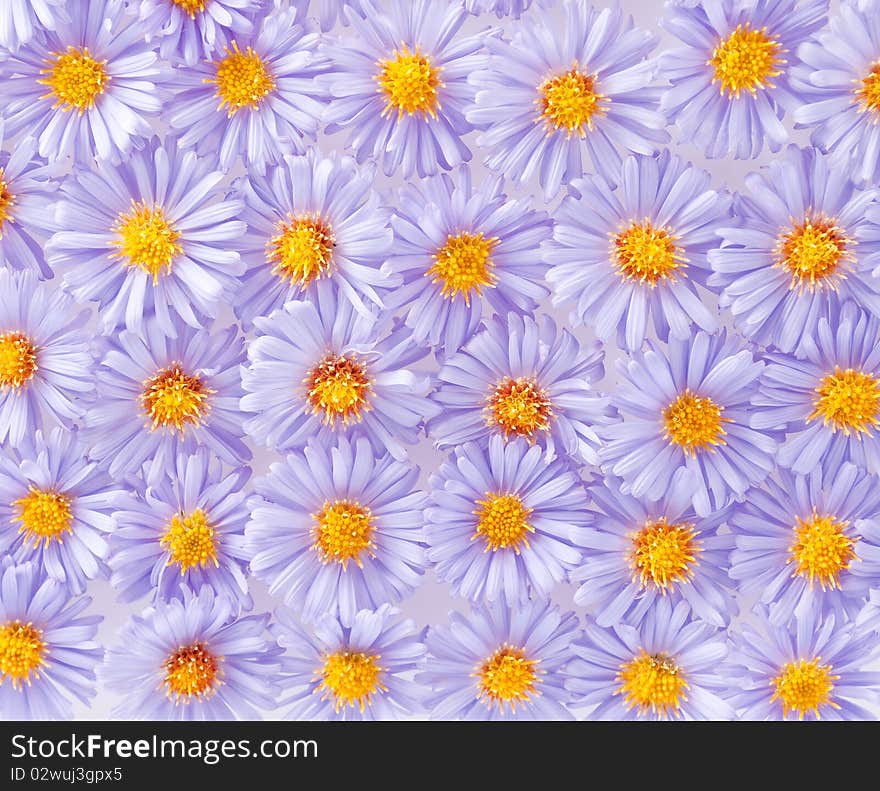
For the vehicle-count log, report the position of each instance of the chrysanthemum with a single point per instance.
(815, 667)
(731, 79)
(257, 99)
(688, 406)
(158, 397)
(155, 235)
(464, 251)
(337, 529)
(185, 532)
(312, 218)
(193, 659)
(521, 378)
(496, 663)
(637, 551)
(350, 673)
(797, 251)
(629, 257)
(550, 96)
(322, 369)
(20, 20)
(45, 362)
(89, 88)
(664, 668)
(809, 542)
(400, 84)
(48, 654)
(498, 522)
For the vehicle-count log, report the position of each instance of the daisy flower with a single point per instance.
(550, 97)
(495, 663)
(463, 251)
(627, 257)
(310, 219)
(47, 651)
(808, 541)
(336, 529)
(183, 533)
(160, 396)
(193, 659)
(151, 236)
(664, 668)
(350, 673)
(20, 20)
(797, 251)
(258, 99)
(637, 552)
(688, 406)
(56, 508)
(322, 369)
(497, 523)
(400, 84)
(731, 81)
(519, 377)
(89, 88)
(45, 362)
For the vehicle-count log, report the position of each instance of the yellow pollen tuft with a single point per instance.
(191, 7)
(747, 60)
(502, 522)
(821, 550)
(803, 686)
(519, 407)
(175, 399)
(343, 532)
(75, 79)
(571, 102)
(664, 554)
(146, 240)
(7, 200)
(409, 82)
(243, 79)
(694, 423)
(848, 401)
(339, 387)
(648, 254)
(45, 516)
(351, 679)
(652, 683)
(508, 677)
(191, 672)
(868, 93)
(813, 252)
(464, 265)
(191, 541)
(302, 251)
(22, 653)
(18, 360)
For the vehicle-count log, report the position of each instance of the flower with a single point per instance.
(461, 252)
(808, 541)
(152, 236)
(20, 20)
(350, 673)
(637, 552)
(497, 523)
(47, 652)
(258, 99)
(310, 219)
(336, 529)
(797, 252)
(689, 407)
(731, 81)
(545, 100)
(401, 85)
(45, 362)
(89, 88)
(183, 533)
(664, 668)
(321, 369)
(519, 377)
(629, 256)
(192, 659)
(159, 396)
(56, 508)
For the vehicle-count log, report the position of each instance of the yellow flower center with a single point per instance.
(868, 94)
(18, 360)
(508, 677)
(803, 687)
(848, 401)
(44, 515)
(175, 399)
(812, 252)
(7, 199)
(664, 554)
(821, 549)
(351, 679)
(694, 423)
(464, 265)
(146, 240)
(191, 7)
(409, 82)
(643, 252)
(191, 541)
(503, 522)
(519, 407)
(571, 102)
(747, 60)
(191, 672)
(75, 79)
(243, 79)
(652, 683)
(302, 251)
(339, 387)
(343, 532)
(22, 653)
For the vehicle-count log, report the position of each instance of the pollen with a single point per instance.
(174, 399)
(821, 550)
(7, 201)
(351, 679)
(868, 93)
(191, 672)
(45, 516)
(191, 7)
(848, 401)
(652, 683)
(409, 82)
(18, 360)
(464, 266)
(803, 686)
(694, 423)
(75, 79)
(647, 254)
(502, 522)
(570, 101)
(747, 60)
(508, 677)
(519, 407)
(146, 240)
(243, 79)
(814, 253)
(22, 653)
(343, 533)
(191, 541)
(302, 250)
(664, 554)
(338, 387)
